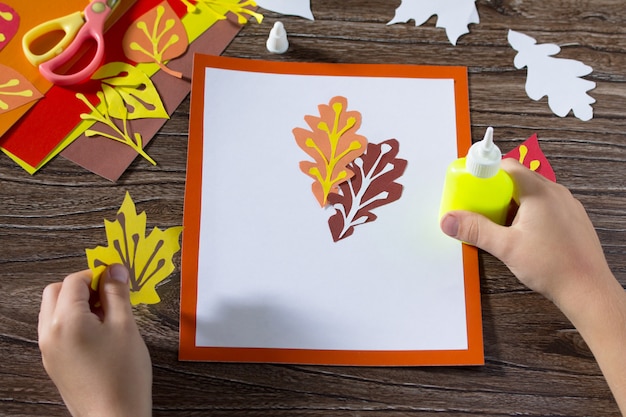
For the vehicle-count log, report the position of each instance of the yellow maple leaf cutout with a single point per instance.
(221, 7)
(148, 258)
(534, 164)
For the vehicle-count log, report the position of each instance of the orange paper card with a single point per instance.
(311, 229)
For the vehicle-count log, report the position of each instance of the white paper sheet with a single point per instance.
(269, 273)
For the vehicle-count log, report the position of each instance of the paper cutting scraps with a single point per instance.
(558, 78)
(127, 94)
(157, 36)
(453, 15)
(530, 154)
(115, 133)
(373, 185)
(350, 174)
(240, 8)
(15, 90)
(333, 143)
(9, 23)
(148, 258)
(300, 8)
(130, 92)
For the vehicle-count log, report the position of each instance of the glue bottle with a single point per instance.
(477, 183)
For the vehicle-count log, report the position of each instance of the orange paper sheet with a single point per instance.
(262, 279)
(32, 13)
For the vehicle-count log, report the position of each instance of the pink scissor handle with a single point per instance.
(93, 29)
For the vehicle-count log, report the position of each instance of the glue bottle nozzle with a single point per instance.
(483, 158)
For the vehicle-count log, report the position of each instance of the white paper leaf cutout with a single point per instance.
(453, 15)
(300, 8)
(557, 78)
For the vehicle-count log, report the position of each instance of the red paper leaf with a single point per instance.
(373, 185)
(9, 23)
(530, 154)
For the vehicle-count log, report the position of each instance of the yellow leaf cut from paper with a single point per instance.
(115, 133)
(148, 258)
(238, 7)
(15, 90)
(157, 36)
(129, 92)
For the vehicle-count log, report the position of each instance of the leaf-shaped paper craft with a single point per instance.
(9, 23)
(300, 8)
(15, 90)
(220, 8)
(453, 15)
(157, 36)
(557, 78)
(372, 186)
(135, 96)
(148, 258)
(333, 143)
(530, 154)
(115, 133)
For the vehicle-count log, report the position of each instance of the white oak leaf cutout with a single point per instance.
(373, 185)
(558, 78)
(453, 15)
(300, 8)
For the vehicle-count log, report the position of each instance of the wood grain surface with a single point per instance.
(536, 364)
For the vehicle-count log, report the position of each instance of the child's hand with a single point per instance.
(95, 355)
(551, 246)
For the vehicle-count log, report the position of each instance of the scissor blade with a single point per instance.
(113, 3)
(119, 8)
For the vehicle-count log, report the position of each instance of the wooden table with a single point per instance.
(536, 364)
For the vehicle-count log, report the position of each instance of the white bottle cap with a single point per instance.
(484, 157)
(277, 42)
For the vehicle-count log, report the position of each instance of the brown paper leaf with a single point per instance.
(15, 90)
(157, 36)
(373, 185)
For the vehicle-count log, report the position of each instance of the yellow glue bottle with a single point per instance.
(477, 183)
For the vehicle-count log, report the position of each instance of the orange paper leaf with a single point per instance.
(15, 90)
(157, 36)
(333, 143)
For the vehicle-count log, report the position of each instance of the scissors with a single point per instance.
(79, 29)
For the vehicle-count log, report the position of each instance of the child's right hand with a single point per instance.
(551, 245)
